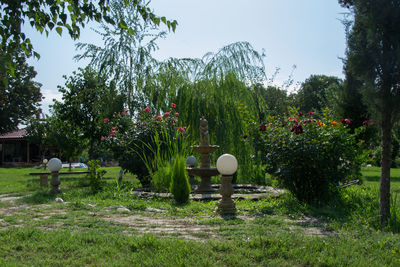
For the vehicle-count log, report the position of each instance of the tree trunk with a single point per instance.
(384, 204)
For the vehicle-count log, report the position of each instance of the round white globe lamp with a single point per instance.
(54, 165)
(227, 164)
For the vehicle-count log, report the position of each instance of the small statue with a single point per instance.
(204, 136)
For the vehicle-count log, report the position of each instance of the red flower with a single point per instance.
(297, 129)
(147, 109)
(106, 120)
(125, 111)
(115, 128)
(176, 114)
(173, 105)
(166, 114)
(181, 129)
(310, 113)
(263, 128)
(346, 121)
(103, 138)
(159, 117)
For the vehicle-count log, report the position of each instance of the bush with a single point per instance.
(310, 156)
(161, 178)
(137, 142)
(95, 176)
(180, 187)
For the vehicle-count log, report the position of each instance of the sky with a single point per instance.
(306, 33)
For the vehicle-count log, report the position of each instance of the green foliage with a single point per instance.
(126, 56)
(373, 58)
(95, 176)
(313, 94)
(87, 99)
(19, 100)
(180, 187)
(310, 157)
(146, 142)
(161, 177)
(69, 15)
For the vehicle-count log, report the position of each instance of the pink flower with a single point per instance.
(106, 120)
(176, 114)
(125, 111)
(166, 114)
(173, 105)
(159, 117)
(181, 129)
(103, 138)
(147, 109)
(115, 128)
(112, 133)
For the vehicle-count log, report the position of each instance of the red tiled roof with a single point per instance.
(17, 134)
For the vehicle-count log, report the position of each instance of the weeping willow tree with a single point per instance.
(217, 86)
(126, 55)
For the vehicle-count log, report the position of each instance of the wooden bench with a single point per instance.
(44, 176)
(349, 183)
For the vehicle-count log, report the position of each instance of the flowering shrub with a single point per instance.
(310, 156)
(137, 142)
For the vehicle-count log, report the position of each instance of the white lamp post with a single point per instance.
(45, 163)
(55, 165)
(191, 161)
(227, 166)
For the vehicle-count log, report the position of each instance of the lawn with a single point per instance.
(115, 228)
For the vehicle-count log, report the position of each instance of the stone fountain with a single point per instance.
(204, 149)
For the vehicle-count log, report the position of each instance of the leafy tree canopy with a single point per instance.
(373, 57)
(19, 100)
(69, 15)
(312, 95)
(87, 99)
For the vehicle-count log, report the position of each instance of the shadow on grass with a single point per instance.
(40, 197)
(377, 178)
(356, 207)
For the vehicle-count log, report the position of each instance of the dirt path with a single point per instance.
(152, 221)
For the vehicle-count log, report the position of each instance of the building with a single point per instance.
(16, 150)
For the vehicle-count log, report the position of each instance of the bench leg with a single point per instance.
(44, 180)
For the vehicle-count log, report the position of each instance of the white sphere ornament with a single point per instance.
(191, 161)
(45, 161)
(227, 164)
(54, 164)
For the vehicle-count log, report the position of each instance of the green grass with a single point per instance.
(372, 176)
(89, 230)
(18, 180)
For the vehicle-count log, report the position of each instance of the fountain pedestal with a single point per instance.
(204, 149)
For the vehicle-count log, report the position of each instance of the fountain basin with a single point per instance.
(203, 171)
(205, 175)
